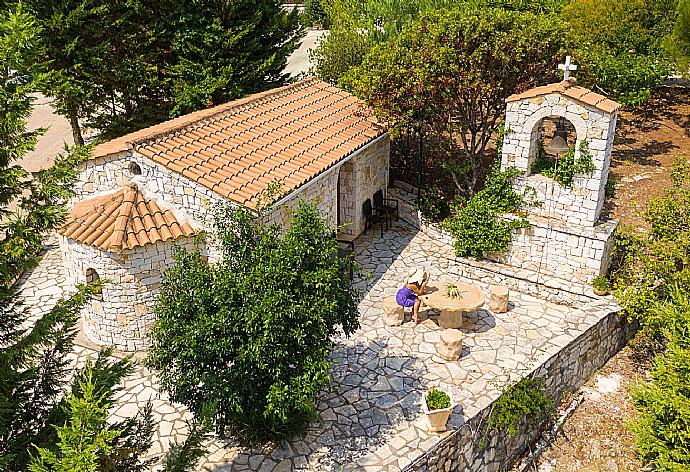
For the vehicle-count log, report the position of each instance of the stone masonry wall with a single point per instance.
(123, 315)
(582, 203)
(563, 373)
(111, 172)
(323, 191)
(569, 252)
(370, 175)
(554, 282)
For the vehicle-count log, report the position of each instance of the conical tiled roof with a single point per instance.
(124, 219)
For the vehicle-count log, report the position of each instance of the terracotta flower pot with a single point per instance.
(600, 292)
(436, 419)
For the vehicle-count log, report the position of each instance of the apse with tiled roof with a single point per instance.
(124, 238)
(309, 139)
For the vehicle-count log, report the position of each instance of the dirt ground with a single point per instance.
(647, 142)
(595, 438)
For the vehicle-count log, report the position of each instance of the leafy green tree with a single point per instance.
(619, 45)
(252, 334)
(223, 50)
(449, 74)
(677, 44)
(121, 66)
(34, 362)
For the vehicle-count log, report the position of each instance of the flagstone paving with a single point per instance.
(372, 415)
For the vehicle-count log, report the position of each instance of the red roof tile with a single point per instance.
(124, 219)
(292, 134)
(569, 88)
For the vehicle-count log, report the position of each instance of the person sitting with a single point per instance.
(408, 295)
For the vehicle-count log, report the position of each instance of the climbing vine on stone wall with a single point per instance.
(524, 401)
(478, 226)
(564, 169)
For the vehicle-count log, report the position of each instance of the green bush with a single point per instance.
(525, 400)
(477, 227)
(432, 205)
(314, 10)
(602, 283)
(437, 399)
(565, 168)
(252, 334)
(652, 263)
(652, 283)
(619, 45)
(662, 431)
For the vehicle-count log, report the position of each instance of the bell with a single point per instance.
(558, 144)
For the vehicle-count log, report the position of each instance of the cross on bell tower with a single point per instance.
(567, 67)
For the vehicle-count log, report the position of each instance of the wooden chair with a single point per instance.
(371, 217)
(388, 207)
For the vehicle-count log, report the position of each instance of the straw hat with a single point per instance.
(416, 276)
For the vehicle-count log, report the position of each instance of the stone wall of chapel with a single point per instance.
(358, 178)
(123, 315)
(323, 191)
(111, 172)
(368, 173)
(580, 204)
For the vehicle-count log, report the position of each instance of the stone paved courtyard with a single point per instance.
(372, 415)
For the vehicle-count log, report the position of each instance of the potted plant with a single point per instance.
(601, 285)
(437, 405)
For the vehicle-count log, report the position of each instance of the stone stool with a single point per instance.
(451, 344)
(498, 298)
(393, 314)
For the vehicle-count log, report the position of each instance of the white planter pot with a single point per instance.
(436, 419)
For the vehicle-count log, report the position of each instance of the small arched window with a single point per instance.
(134, 168)
(93, 277)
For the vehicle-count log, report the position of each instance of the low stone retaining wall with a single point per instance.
(538, 283)
(563, 373)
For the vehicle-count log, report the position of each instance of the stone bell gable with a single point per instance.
(569, 241)
(593, 118)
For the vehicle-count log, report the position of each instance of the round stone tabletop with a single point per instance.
(470, 299)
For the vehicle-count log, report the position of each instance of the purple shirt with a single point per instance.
(405, 297)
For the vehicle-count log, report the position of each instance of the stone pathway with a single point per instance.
(372, 416)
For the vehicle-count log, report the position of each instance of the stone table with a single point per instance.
(452, 309)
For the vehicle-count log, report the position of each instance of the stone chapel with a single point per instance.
(144, 192)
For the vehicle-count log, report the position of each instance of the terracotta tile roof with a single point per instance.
(569, 88)
(290, 134)
(124, 219)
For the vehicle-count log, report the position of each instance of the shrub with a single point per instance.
(253, 333)
(432, 205)
(437, 399)
(662, 431)
(652, 263)
(602, 283)
(478, 227)
(314, 10)
(526, 400)
(565, 168)
(619, 45)
(652, 283)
